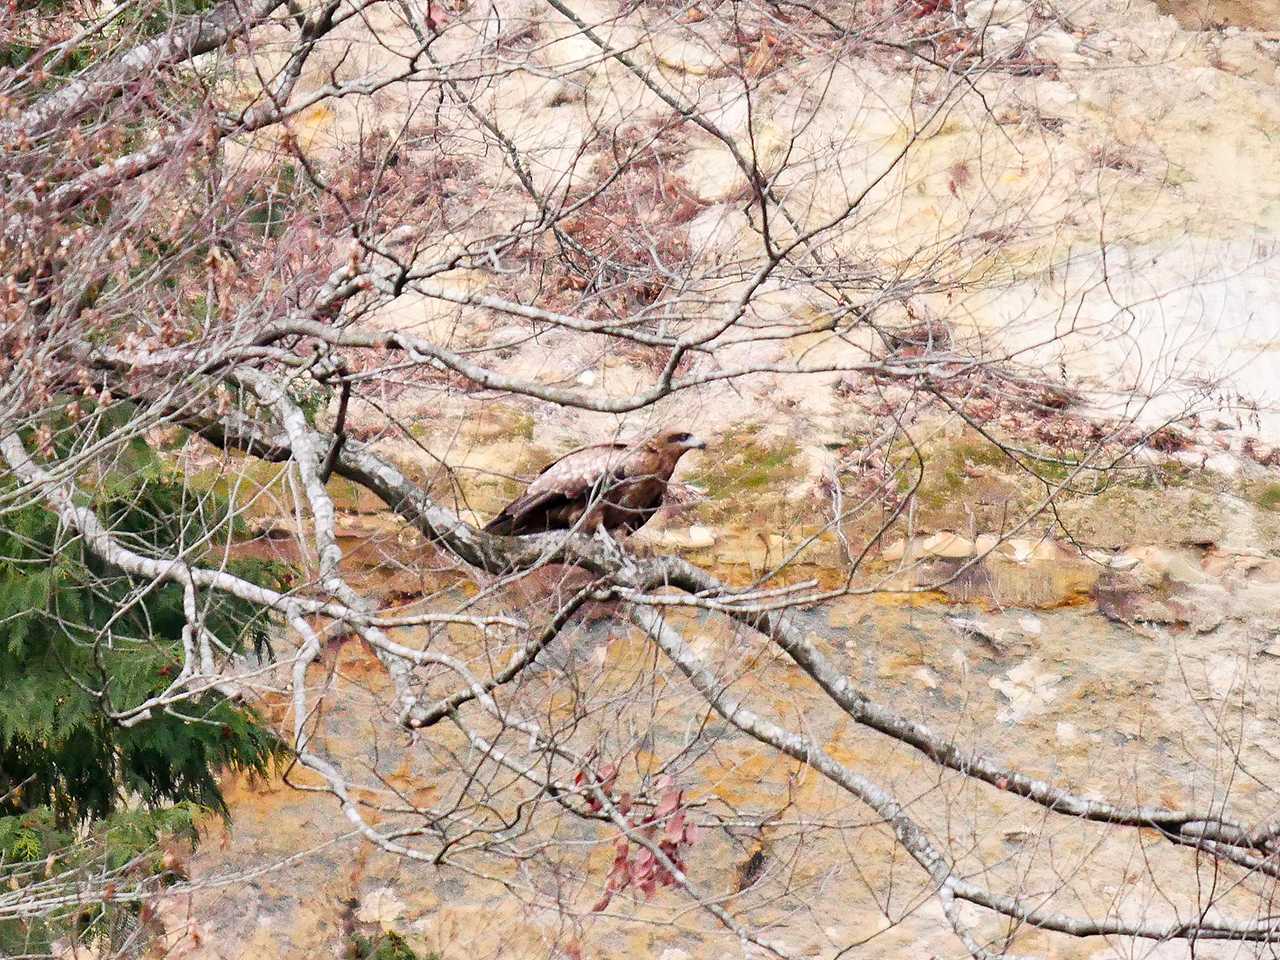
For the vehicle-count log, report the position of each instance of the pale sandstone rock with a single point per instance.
(1205, 607)
(1003, 41)
(928, 679)
(1223, 463)
(572, 50)
(719, 232)
(686, 57)
(948, 545)
(1026, 551)
(1028, 689)
(690, 538)
(896, 550)
(714, 174)
(1020, 550)
(1049, 550)
(1246, 56)
(1058, 47)
(381, 906)
(1163, 562)
(982, 13)
(1030, 625)
(701, 537)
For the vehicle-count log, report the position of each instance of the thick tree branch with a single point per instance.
(198, 34)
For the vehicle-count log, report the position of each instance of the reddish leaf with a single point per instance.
(674, 831)
(667, 805)
(607, 776)
(437, 15)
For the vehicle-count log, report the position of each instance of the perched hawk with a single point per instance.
(609, 485)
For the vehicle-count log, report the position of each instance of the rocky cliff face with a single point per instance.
(1146, 672)
(1129, 645)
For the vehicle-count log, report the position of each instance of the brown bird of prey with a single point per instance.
(608, 486)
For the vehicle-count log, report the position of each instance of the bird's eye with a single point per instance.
(680, 438)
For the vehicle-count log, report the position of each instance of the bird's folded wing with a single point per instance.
(596, 457)
(571, 477)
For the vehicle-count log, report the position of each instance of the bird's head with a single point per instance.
(676, 440)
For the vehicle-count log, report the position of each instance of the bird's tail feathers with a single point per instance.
(501, 525)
